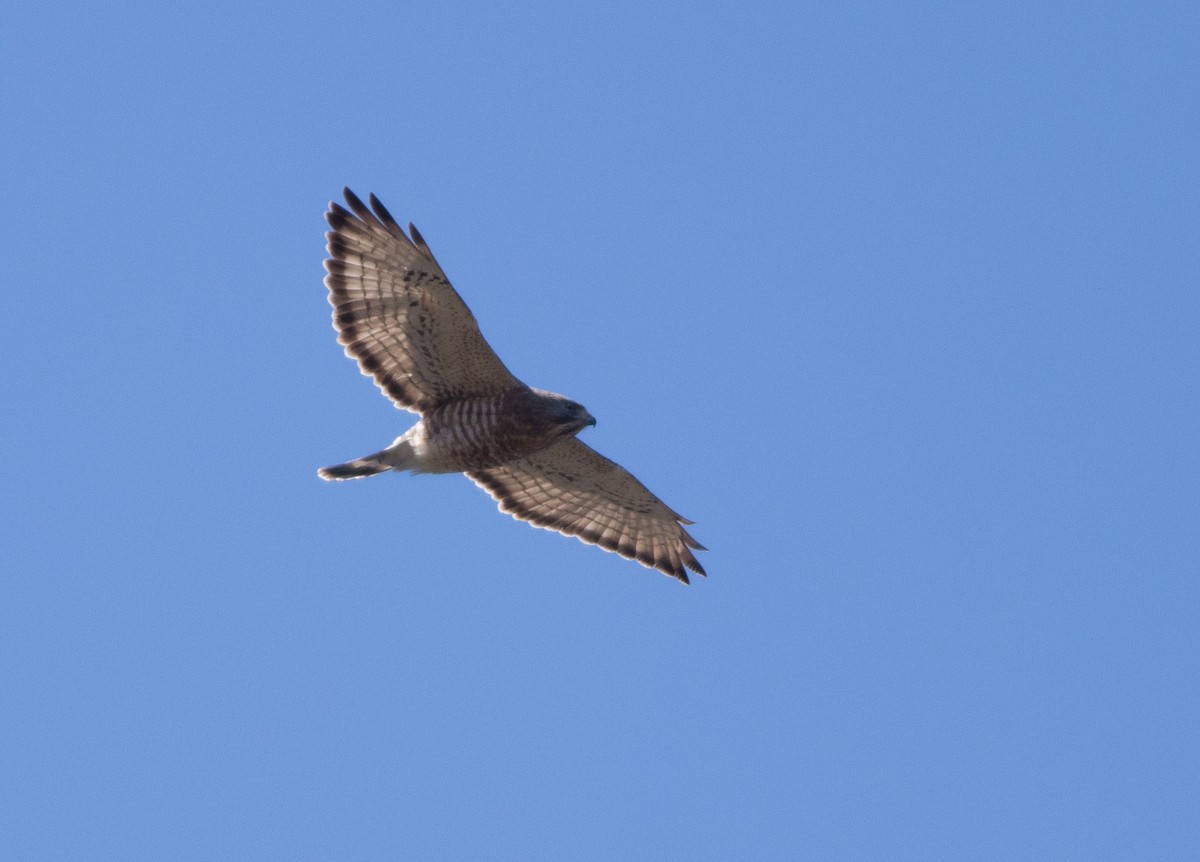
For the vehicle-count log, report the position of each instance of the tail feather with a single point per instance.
(355, 469)
(398, 456)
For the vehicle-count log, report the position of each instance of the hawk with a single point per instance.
(397, 315)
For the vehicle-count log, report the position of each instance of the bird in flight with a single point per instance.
(397, 315)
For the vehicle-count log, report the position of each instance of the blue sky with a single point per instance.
(898, 302)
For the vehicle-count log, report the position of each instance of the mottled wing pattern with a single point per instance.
(397, 314)
(576, 491)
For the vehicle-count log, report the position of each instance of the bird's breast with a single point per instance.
(478, 433)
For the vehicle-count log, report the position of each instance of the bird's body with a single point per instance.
(466, 434)
(398, 315)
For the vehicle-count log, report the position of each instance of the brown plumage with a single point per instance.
(397, 314)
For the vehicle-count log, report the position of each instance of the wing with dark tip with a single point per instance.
(574, 490)
(397, 314)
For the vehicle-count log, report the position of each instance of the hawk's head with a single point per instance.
(565, 416)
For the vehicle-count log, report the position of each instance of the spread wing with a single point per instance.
(397, 314)
(573, 489)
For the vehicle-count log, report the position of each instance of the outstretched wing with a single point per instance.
(573, 489)
(397, 314)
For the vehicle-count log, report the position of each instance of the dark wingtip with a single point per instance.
(419, 242)
(381, 212)
(416, 235)
(360, 209)
(337, 217)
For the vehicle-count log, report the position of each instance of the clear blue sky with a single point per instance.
(899, 302)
